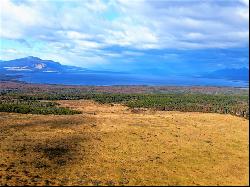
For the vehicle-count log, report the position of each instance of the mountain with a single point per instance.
(35, 70)
(230, 74)
(35, 64)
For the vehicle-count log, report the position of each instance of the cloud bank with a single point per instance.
(99, 32)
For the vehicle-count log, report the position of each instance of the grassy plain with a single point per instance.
(111, 144)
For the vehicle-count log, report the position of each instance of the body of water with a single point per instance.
(109, 79)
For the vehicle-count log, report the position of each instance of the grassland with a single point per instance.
(115, 145)
(123, 135)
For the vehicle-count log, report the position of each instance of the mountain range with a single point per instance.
(32, 65)
(230, 74)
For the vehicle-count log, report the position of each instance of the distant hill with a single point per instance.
(230, 74)
(35, 64)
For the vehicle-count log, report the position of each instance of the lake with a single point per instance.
(109, 79)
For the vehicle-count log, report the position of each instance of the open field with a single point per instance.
(111, 144)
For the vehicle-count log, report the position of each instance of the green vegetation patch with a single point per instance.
(30, 102)
(225, 104)
(34, 107)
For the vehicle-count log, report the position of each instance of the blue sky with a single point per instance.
(144, 36)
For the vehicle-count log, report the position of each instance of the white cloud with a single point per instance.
(84, 44)
(74, 35)
(81, 27)
(135, 36)
(96, 5)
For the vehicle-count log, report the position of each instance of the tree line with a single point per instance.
(187, 102)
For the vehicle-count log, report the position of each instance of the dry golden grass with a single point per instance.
(112, 145)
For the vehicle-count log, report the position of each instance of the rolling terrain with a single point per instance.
(111, 144)
(123, 135)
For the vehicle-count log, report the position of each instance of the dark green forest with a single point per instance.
(34, 107)
(224, 104)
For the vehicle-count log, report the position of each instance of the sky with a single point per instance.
(143, 36)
